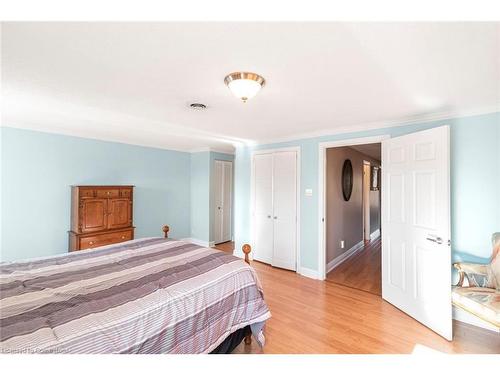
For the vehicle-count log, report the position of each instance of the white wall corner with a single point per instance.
(344, 256)
(463, 316)
(308, 272)
(198, 242)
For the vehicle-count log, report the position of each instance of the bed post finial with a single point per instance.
(165, 229)
(246, 250)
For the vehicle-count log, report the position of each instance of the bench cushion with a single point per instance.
(482, 302)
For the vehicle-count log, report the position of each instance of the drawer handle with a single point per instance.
(91, 242)
(123, 237)
(108, 192)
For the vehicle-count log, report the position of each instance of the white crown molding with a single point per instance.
(102, 138)
(383, 124)
(211, 149)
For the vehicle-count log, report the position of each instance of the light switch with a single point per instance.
(309, 192)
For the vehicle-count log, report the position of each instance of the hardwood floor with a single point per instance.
(362, 271)
(311, 316)
(226, 246)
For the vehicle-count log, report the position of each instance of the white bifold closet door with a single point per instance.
(275, 208)
(223, 197)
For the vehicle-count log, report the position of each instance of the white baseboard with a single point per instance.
(199, 242)
(463, 316)
(308, 272)
(375, 235)
(344, 256)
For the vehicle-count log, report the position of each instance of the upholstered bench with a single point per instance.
(481, 296)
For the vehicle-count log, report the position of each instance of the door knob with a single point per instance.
(275, 217)
(434, 238)
(268, 216)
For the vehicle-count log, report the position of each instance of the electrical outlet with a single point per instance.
(341, 244)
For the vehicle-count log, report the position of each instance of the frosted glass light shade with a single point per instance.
(244, 85)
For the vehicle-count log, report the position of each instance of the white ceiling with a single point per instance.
(131, 82)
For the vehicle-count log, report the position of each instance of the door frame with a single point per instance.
(231, 203)
(322, 146)
(252, 191)
(366, 202)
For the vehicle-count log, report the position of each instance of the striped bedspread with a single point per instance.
(151, 295)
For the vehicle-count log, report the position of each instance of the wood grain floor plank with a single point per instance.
(312, 316)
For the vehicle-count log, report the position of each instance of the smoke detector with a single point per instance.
(198, 106)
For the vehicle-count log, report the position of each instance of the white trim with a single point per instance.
(273, 150)
(322, 146)
(365, 199)
(383, 124)
(463, 316)
(308, 272)
(210, 149)
(297, 149)
(344, 256)
(199, 242)
(374, 235)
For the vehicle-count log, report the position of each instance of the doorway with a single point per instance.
(223, 201)
(416, 254)
(352, 222)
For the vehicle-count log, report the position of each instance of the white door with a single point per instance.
(227, 194)
(285, 209)
(416, 255)
(223, 177)
(218, 202)
(263, 207)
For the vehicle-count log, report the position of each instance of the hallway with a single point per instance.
(362, 271)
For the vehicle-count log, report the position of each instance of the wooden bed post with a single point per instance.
(246, 250)
(165, 229)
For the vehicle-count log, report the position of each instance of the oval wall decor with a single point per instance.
(347, 179)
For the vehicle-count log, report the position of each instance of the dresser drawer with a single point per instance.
(89, 242)
(125, 193)
(108, 193)
(87, 193)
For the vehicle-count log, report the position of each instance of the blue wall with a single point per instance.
(38, 168)
(475, 185)
(200, 196)
(173, 187)
(202, 193)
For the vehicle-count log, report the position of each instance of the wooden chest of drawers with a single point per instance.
(100, 215)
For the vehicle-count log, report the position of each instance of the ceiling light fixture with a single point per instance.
(244, 85)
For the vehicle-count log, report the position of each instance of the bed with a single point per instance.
(150, 295)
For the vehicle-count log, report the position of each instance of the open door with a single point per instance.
(416, 254)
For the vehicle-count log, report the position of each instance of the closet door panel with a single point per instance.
(263, 207)
(285, 244)
(285, 209)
